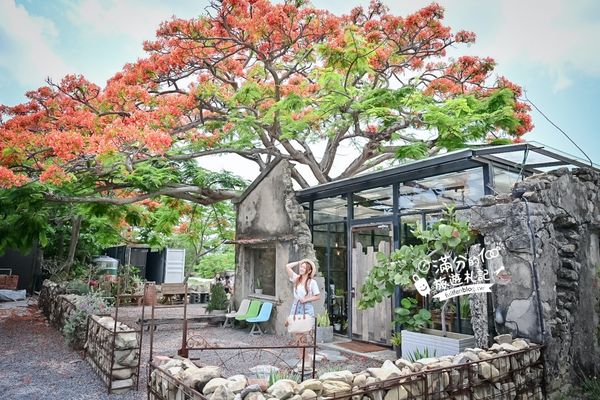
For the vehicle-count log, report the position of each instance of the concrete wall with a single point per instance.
(269, 215)
(549, 288)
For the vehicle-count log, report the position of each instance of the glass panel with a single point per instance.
(371, 236)
(504, 180)
(330, 209)
(459, 188)
(263, 264)
(375, 202)
(408, 223)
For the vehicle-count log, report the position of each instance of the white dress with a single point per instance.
(300, 292)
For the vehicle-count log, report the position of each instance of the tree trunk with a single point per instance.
(76, 226)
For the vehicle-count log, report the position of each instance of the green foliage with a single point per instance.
(419, 354)
(276, 376)
(218, 298)
(216, 263)
(75, 324)
(449, 235)
(410, 316)
(465, 307)
(323, 320)
(396, 339)
(591, 387)
(78, 287)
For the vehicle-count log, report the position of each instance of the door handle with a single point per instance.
(353, 293)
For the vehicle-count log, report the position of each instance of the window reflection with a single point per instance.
(375, 202)
(459, 188)
(330, 209)
(504, 180)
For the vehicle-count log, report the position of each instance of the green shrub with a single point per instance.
(419, 354)
(76, 323)
(218, 298)
(323, 320)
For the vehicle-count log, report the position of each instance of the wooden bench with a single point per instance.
(168, 290)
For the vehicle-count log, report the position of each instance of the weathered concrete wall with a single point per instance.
(270, 216)
(555, 276)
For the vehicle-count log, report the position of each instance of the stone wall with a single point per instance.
(268, 215)
(58, 306)
(547, 289)
(510, 369)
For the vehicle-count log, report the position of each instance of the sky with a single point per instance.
(549, 47)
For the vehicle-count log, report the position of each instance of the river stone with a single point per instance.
(213, 384)
(283, 389)
(198, 377)
(506, 338)
(360, 380)
(237, 383)
(122, 373)
(508, 347)
(308, 395)
(296, 397)
(397, 393)
(488, 371)
(371, 380)
(121, 383)
(255, 396)
(331, 388)
(388, 370)
(343, 376)
(401, 363)
(126, 340)
(520, 344)
(311, 384)
(222, 393)
(250, 389)
(376, 395)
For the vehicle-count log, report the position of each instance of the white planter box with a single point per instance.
(433, 339)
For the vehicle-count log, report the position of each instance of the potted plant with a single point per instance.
(324, 328)
(218, 302)
(258, 287)
(337, 323)
(396, 341)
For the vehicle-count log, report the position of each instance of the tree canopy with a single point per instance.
(258, 80)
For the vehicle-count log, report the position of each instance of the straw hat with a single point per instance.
(312, 264)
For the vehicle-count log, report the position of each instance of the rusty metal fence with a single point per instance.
(517, 375)
(114, 352)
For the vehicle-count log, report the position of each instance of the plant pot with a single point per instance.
(398, 350)
(434, 340)
(324, 334)
(258, 291)
(337, 327)
(218, 312)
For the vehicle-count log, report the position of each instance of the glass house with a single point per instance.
(353, 218)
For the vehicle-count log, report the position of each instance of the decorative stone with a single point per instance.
(397, 393)
(508, 347)
(237, 383)
(401, 363)
(222, 393)
(199, 377)
(520, 344)
(283, 389)
(122, 373)
(388, 370)
(506, 338)
(343, 376)
(360, 380)
(213, 384)
(331, 388)
(308, 395)
(250, 389)
(311, 384)
(488, 371)
(254, 396)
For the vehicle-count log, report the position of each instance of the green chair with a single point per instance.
(253, 311)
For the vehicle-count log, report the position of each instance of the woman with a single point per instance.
(305, 289)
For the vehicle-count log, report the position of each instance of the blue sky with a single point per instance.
(549, 47)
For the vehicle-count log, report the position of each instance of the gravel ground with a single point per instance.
(35, 362)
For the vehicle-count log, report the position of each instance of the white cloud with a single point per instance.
(558, 36)
(28, 55)
(134, 19)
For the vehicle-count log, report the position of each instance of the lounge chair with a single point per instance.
(242, 310)
(263, 316)
(252, 311)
